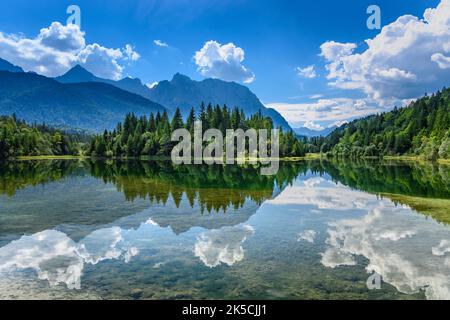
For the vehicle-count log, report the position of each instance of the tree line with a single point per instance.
(20, 139)
(151, 136)
(421, 129)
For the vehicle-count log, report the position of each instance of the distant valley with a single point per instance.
(309, 133)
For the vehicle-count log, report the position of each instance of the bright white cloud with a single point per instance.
(101, 61)
(62, 38)
(160, 43)
(442, 61)
(332, 50)
(307, 72)
(406, 59)
(152, 85)
(313, 126)
(130, 53)
(58, 48)
(51, 53)
(223, 62)
(325, 111)
(338, 123)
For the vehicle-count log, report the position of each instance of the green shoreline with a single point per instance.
(310, 156)
(438, 209)
(416, 159)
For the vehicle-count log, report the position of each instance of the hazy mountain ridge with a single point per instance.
(64, 102)
(90, 106)
(309, 133)
(7, 66)
(186, 93)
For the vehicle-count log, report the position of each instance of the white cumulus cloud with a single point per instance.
(332, 50)
(307, 72)
(223, 62)
(59, 47)
(406, 59)
(323, 111)
(313, 126)
(130, 53)
(160, 43)
(442, 61)
(101, 61)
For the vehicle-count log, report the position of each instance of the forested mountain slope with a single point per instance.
(422, 129)
(90, 106)
(19, 139)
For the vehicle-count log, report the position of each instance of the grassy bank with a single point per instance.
(24, 158)
(310, 156)
(438, 209)
(416, 159)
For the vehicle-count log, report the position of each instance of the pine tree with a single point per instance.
(177, 120)
(190, 122)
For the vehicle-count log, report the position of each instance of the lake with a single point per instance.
(82, 229)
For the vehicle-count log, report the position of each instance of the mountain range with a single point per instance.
(7, 66)
(80, 100)
(185, 93)
(90, 106)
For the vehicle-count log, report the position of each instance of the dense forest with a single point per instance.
(421, 129)
(151, 136)
(20, 139)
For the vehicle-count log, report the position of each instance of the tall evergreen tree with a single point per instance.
(177, 120)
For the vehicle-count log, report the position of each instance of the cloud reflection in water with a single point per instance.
(222, 246)
(409, 250)
(58, 259)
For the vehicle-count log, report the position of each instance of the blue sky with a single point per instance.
(264, 44)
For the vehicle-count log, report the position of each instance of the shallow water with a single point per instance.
(150, 230)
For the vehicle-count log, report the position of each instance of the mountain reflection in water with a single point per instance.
(156, 230)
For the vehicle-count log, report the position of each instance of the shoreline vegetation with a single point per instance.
(146, 158)
(308, 156)
(419, 132)
(438, 209)
(421, 129)
(152, 136)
